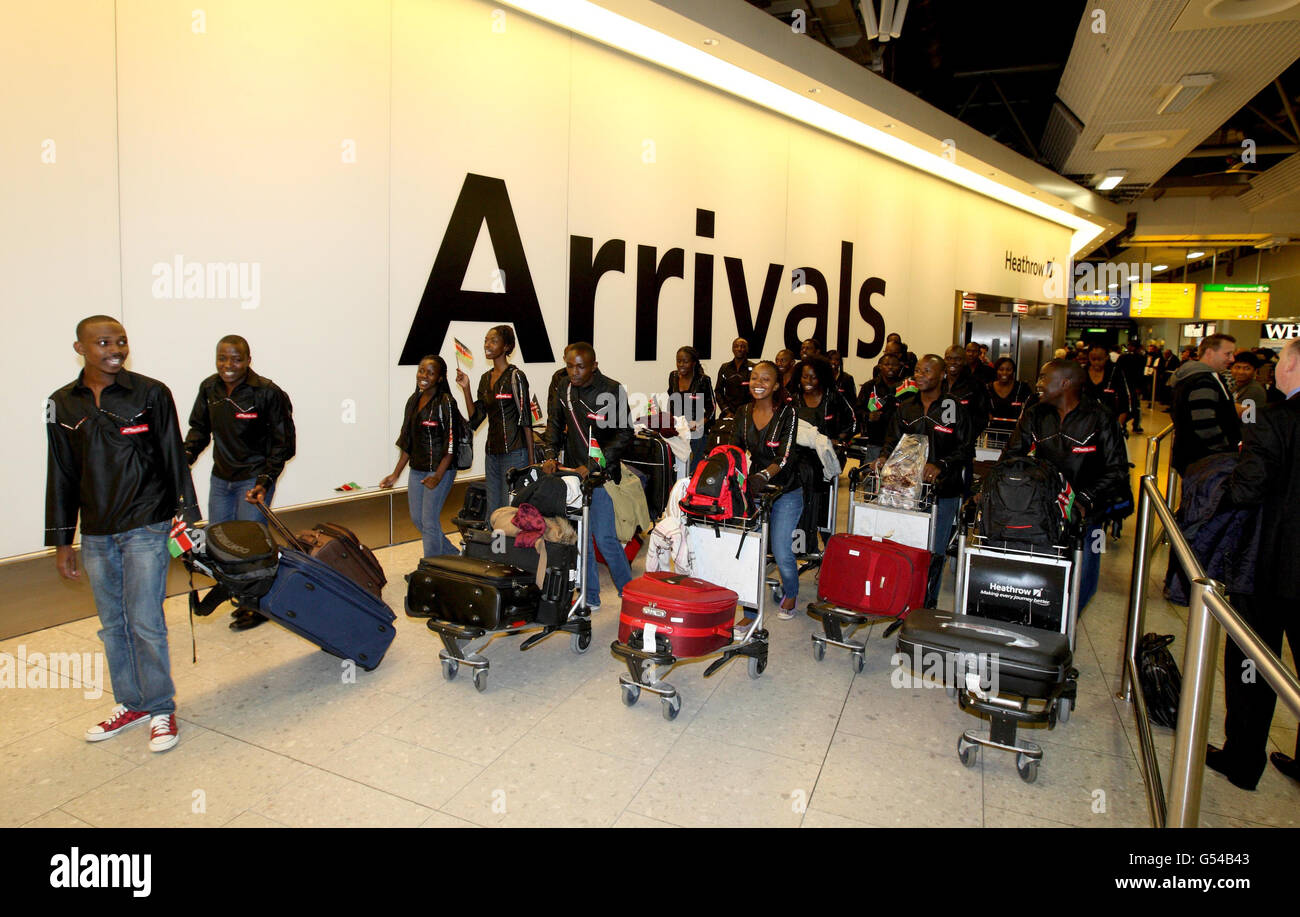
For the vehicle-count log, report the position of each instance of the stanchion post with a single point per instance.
(1138, 586)
(1194, 707)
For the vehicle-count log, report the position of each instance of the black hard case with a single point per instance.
(472, 591)
(1031, 663)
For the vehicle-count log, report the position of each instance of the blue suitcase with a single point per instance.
(322, 605)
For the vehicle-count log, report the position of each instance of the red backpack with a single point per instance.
(717, 489)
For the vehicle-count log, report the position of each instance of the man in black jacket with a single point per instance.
(589, 430)
(962, 383)
(1132, 363)
(1268, 475)
(732, 390)
(1205, 419)
(947, 425)
(1080, 438)
(116, 460)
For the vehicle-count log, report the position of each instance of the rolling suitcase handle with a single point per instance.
(280, 528)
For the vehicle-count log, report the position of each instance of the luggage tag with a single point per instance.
(648, 638)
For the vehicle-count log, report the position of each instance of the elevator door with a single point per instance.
(993, 330)
(1035, 347)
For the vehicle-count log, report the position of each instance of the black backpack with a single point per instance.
(241, 556)
(546, 492)
(1161, 682)
(1025, 500)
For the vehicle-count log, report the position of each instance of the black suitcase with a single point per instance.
(558, 584)
(1029, 662)
(318, 603)
(472, 591)
(483, 544)
(473, 513)
(720, 434)
(649, 454)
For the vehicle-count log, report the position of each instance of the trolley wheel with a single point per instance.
(1064, 707)
(580, 643)
(449, 669)
(631, 694)
(757, 666)
(1027, 768)
(480, 680)
(819, 650)
(672, 706)
(967, 753)
(858, 661)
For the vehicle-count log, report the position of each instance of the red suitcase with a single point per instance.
(873, 576)
(695, 617)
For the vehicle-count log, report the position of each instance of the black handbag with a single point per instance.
(1160, 679)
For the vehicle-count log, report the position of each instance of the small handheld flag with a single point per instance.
(907, 388)
(179, 542)
(350, 485)
(1066, 500)
(536, 410)
(874, 403)
(463, 355)
(594, 451)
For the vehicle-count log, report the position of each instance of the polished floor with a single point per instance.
(273, 734)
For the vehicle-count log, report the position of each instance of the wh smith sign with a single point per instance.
(1279, 331)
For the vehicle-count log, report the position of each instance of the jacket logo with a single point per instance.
(138, 428)
(591, 416)
(942, 429)
(1084, 449)
(773, 444)
(246, 415)
(429, 423)
(504, 397)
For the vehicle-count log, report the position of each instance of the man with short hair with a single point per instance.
(983, 372)
(1132, 363)
(1079, 437)
(1205, 418)
(1268, 476)
(589, 431)
(117, 462)
(732, 391)
(960, 382)
(1247, 393)
(844, 383)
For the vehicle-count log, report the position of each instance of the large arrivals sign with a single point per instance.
(1234, 300)
(1109, 309)
(1163, 300)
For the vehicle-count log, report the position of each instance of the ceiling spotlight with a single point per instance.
(1132, 277)
(1112, 286)
(1161, 267)
(1111, 179)
(814, 90)
(710, 41)
(1186, 91)
(1198, 254)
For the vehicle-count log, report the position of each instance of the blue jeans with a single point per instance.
(604, 536)
(128, 576)
(226, 500)
(945, 516)
(426, 510)
(1090, 573)
(786, 512)
(698, 452)
(495, 468)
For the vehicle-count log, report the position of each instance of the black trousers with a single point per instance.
(1250, 700)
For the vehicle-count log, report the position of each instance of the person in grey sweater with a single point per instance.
(1204, 414)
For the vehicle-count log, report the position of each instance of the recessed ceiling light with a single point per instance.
(710, 41)
(1132, 277)
(1161, 267)
(1185, 92)
(1191, 255)
(814, 90)
(1111, 179)
(1112, 286)
(889, 126)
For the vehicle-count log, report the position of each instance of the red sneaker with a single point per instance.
(121, 720)
(164, 732)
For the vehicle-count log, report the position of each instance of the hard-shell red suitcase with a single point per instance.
(873, 576)
(695, 618)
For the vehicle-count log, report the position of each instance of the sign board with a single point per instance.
(1017, 588)
(1279, 331)
(1106, 310)
(1198, 330)
(1234, 300)
(968, 305)
(1163, 300)
(1020, 308)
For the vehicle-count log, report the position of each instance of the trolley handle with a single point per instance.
(277, 524)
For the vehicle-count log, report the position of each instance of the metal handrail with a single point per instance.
(1208, 610)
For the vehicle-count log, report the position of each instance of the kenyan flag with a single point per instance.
(350, 485)
(593, 451)
(907, 388)
(1066, 500)
(536, 409)
(463, 354)
(874, 403)
(180, 541)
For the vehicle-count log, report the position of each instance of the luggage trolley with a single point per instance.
(911, 525)
(463, 644)
(732, 552)
(989, 447)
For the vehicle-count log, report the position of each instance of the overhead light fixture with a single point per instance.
(1191, 255)
(890, 22)
(1161, 267)
(586, 18)
(1111, 179)
(1133, 277)
(1185, 92)
(1112, 286)
(710, 41)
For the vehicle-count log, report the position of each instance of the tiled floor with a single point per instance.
(273, 734)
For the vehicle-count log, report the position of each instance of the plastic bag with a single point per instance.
(904, 472)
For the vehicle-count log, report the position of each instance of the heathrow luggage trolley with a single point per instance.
(989, 447)
(912, 524)
(463, 644)
(1030, 586)
(728, 554)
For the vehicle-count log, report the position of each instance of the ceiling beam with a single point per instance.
(1286, 104)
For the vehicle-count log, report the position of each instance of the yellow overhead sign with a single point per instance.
(1163, 300)
(1234, 300)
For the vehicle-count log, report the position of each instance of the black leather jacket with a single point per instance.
(428, 435)
(733, 386)
(598, 409)
(251, 429)
(773, 444)
(120, 464)
(1085, 447)
(952, 438)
